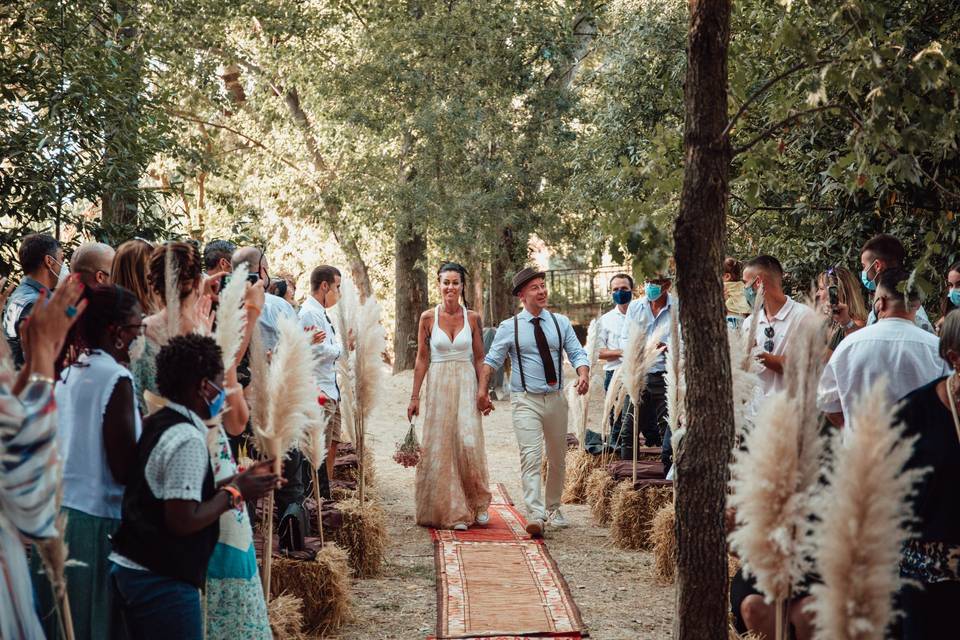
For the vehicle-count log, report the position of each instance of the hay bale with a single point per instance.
(363, 535)
(632, 511)
(663, 534)
(321, 584)
(285, 613)
(599, 489)
(580, 465)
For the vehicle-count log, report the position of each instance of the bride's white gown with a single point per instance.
(452, 485)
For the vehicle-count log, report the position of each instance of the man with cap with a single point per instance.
(535, 340)
(652, 312)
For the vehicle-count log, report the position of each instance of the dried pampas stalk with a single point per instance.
(290, 400)
(863, 523)
(613, 404)
(640, 355)
(313, 446)
(345, 321)
(231, 316)
(171, 280)
(771, 503)
(676, 384)
(746, 382)
(593, 355)
(54, 554)
(257, 391)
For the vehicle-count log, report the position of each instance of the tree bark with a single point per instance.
(508, 259)
(703, 457)
(411, 291)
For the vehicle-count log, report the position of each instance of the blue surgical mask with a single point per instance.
(866, 280)
(622, 296)
(652, 291)
(954, 297)
(216, 405)
(750, 295)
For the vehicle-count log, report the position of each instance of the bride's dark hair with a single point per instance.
(454, 266)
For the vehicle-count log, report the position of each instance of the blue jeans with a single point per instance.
(154, 607)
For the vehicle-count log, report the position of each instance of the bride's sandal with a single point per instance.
(460, 527)
(483, 518)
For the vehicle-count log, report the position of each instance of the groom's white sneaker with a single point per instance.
(535, 528)
(557, 520)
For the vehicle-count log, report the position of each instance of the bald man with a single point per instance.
(93, 261)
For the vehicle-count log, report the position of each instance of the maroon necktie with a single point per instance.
(549, 371)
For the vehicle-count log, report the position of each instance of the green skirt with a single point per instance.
(88, 586)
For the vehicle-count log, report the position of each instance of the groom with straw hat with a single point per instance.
(535, 340)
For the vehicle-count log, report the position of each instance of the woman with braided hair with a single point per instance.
(452, 487)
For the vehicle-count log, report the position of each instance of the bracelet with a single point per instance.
(38, 377)
(236, 499)
(250, 305)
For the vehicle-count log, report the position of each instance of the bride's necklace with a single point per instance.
(953, 402)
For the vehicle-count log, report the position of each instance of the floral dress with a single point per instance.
(235, 605)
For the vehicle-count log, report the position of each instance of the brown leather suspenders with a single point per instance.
(516, 346)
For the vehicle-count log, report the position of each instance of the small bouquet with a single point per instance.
(408, 452)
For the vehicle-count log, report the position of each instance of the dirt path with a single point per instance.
(614, 589)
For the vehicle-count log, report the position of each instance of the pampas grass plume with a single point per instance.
(770, 508)
(291, 395)
(370, 344)
(231, 318)
(863, 524)
(171, 278)
(257, 391)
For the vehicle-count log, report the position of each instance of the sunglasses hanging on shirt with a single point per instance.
(768, 344)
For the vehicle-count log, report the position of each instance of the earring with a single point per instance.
(118, 343)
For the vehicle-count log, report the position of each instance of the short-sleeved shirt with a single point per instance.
(611, 325)
(533, 373)
(641, 312)
(895, 348)
(782, 324)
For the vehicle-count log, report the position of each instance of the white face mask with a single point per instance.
(63, 274)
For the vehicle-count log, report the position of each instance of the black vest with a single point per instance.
(143, 536)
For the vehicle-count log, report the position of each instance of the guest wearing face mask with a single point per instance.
(41, 259)
(893, 347)
(652, 313)
(98, 426)
(172, 504)
(951, 299)
(879, 253)
(611, 349)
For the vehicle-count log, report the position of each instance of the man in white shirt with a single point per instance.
(652, 312)
(325, 293)
(894, 348)
(778, 315)
(879, 253)
(611, 349)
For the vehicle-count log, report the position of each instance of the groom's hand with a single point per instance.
(484, 406)
(583, 383)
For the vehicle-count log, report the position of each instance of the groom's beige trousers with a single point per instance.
(540, 422)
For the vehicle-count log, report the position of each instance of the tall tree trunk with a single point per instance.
(121, 123)
(410, 256)
(508, 258)
(475, 285)
(703, 457)
(411, 291)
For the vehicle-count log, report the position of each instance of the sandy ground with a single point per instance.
(614, 589)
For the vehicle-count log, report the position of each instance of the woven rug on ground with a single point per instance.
(495, 582)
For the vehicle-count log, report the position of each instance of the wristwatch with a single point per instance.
(236, 498)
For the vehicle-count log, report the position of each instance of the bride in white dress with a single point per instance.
(452, 485)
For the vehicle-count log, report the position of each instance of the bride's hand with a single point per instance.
(413, 409)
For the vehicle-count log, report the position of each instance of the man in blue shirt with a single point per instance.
(652, 312)
(535, 340)
(41, 259)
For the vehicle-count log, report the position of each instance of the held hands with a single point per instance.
(484, 405)
(258, 480)
(583, 384)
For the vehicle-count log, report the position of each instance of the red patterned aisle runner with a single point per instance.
(495, 582)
